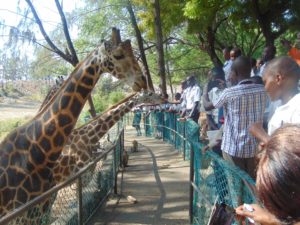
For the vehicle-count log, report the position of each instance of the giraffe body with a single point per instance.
(29, 153)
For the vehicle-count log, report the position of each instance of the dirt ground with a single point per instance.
(17, 108)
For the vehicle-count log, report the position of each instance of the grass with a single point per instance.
(9, 124)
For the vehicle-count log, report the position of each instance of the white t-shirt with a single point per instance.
(227, 68)
(261, 70)
(183, 99)
(214, 95)
(288, 113)
(193, 95)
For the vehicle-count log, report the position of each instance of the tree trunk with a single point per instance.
(211, 48)
(140, 44)
(159, 47)
(169, 74)
(264, 24)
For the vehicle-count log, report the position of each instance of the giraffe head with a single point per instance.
(117, 58)
(149, 98)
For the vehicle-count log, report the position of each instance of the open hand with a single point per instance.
(259, 215)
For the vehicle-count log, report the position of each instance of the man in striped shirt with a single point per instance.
(244, 104)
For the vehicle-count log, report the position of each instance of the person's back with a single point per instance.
(244, 104)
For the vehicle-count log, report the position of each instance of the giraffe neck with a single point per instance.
(60, 115)
(98, 127)
(41, 141)
(50, 94)
(83, 140)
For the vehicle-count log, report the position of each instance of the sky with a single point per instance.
(46, 10)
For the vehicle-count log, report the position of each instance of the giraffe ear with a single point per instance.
(115, 36)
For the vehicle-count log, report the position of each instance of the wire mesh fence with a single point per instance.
(212, 178)
(75, 200)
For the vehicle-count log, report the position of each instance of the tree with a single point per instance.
(160, 47)
(140, 44)
(273, 17)
(70, 54)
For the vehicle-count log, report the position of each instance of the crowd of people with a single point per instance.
(255, 105)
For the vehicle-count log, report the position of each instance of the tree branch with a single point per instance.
(48, 40)
(74, 57)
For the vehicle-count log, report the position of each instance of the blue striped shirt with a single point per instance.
(244, 104)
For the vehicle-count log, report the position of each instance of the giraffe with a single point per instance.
(82, 143)
(29, 153)
(52, 91)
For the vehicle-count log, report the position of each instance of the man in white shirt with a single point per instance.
(227, 63)
(193, 94)
(281, 78)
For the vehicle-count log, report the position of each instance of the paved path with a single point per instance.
(157, 177)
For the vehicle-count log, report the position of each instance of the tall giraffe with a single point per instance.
(29, 153)
(82, 143)
(52, 91)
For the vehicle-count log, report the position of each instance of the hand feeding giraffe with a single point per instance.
(29, 153)
(82, 143)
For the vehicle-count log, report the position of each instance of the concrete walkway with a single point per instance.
(157, 177)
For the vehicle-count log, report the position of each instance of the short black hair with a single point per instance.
(257, 80)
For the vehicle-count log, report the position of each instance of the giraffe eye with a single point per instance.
(118, 57)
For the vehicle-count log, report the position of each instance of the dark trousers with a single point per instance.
(194, 116)
(246, 164)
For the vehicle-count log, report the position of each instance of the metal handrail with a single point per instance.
(193, 187)
(22, 209)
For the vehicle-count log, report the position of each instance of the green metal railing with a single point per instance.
(211, 177)
(77, 199)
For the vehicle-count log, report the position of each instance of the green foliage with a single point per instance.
(171, 15)
(47, 65)
(115, 97)
(8, 125)
(101, 103)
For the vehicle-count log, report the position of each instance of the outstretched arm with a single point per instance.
(258, 131)
(206, 101)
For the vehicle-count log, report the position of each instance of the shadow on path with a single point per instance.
(157, 177)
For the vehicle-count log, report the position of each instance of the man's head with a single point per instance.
(226, 53)
(269, 53)
(235, 53)
(217, 77)
(191, 80)
(177, 96)
(240, 70)
(183, 85)
(281, 76)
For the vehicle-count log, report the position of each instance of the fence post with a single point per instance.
(184, 141)
(115, 170)
(174, 130)
(191, 181)
(121, 150)
(163, 125)
(79, 193)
